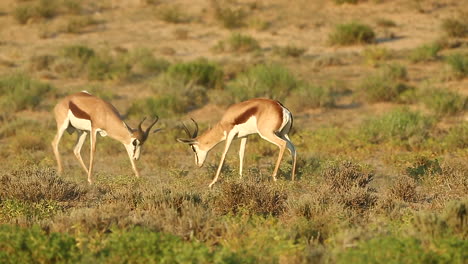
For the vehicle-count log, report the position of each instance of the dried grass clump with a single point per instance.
(404, 189)
(349, 185)
(251, 198)
(36, 184)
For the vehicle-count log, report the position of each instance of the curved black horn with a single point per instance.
(187, 131)
(139, 125)
(195, 133)
(152, 124)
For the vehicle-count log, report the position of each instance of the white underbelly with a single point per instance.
(247, 128)
(78, 123)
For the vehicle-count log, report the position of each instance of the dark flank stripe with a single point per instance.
(245, 116)
(77, 112)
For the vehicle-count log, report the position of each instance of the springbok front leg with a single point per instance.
(77, 150)
(229, 139)
(241, 155)
(55, 142)
(92, 150)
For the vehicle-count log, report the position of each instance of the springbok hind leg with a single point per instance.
(77, 150)
(281, 143)
(293, 152)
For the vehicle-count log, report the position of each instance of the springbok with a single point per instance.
(268, 118)
(86, 113)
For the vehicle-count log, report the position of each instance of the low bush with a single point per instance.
(42, 9)
(375, 55)
(351, 33)
(78, 25)
(456, 137)
(458, 63)
(443, 102)
(385, 85)
(424, 53)
(399, 126)
(456, 28)
(19, 92)
(230, 18)
(264, 80)
(172, 14)
(310, 96)
(289, 51)
(237, 43)
(198, 72)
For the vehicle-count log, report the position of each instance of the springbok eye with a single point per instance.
(135, 143)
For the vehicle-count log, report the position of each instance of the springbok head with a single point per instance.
(200, 155)
(139, 136)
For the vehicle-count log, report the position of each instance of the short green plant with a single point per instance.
(458, 64)
(19, 92)
(456, 28)
(78, 25)
(443, 102)
(386, 22)
(80, 53)
(456, 137)
(43, 9)
(428, 52)
(105, 67)
(201, 72)
(397, 126)
(238, 43)
(351, 34)
(385, 85)
(264, 80)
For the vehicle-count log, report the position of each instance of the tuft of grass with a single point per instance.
(105, 67)
(424, 53)
(443, 102)
(289, 51)
(455, 28)
(41, 62)
(458, 64)
(264, 80)
(399, 126)
(386, 85)
(80, 53)
(351, 34)
(23, 13)
(375, 55)
(73, 6)
(19, 92)
(78, 25)
(200, 72)
(237, 43)
(230, 18)
(340, 2)
(457, 137)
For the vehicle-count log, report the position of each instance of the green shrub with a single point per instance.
(457, 137)
(400, 125)
(350, 34)
(264, 80)
(455, 28)
(443, 102)
(425, 53)
(402, 249)
(145, 63)
(43, 9)
(386, 85)
(19, 92)
(237, 43)
(201, 72)
(79, 52)
(47, 8)
(106, 67)
(383, 22)
(309, 96)
(458, 64)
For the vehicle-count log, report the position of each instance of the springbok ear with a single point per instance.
(186, 141)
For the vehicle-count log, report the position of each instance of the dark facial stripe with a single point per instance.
(77, 112)
(245, 116)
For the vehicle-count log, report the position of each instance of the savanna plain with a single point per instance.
(378, 90)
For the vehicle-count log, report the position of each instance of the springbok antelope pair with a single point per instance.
(88, 114)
